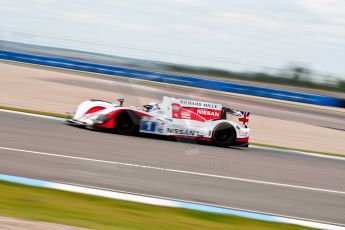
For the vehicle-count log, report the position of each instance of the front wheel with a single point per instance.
(126, 123)
(224, 134)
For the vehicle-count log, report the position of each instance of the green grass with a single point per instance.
(101, 213)
(35, 112)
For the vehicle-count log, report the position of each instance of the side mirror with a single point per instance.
(121, 100)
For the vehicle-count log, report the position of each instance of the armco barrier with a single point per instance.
(174, 79)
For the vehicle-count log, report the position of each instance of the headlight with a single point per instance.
(102, 118)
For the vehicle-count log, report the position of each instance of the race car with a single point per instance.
(180, 118)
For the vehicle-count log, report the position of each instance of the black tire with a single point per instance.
(224, 134)
(126, 123)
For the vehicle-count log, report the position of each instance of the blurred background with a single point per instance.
(283, 61)
(294, 43)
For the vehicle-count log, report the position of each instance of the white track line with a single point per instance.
(209, 204)
(178, 171)
(296, 152)
(32, 115)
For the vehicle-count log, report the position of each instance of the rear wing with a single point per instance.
(243, 116)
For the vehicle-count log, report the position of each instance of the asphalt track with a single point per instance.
(253, 179)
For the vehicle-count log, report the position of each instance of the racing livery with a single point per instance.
(181, 118)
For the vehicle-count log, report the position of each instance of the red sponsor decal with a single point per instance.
(176, 110)
(209, 112)
(199, 114)
(196, 114)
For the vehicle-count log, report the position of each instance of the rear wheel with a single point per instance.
(224, 134)
(126, 123)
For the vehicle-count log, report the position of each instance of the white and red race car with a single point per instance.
(179, 118)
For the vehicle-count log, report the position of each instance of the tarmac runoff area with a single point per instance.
(272, 123)
(256, 180)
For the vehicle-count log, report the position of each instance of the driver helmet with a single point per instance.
(154, 106)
